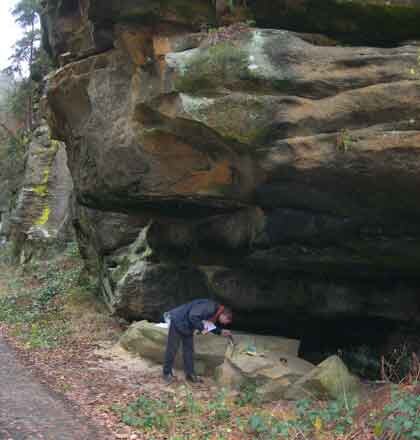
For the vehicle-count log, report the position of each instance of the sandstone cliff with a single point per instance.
(35, 184)
(41, 216)
(275, 170)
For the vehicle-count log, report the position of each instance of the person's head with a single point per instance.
(226, 316)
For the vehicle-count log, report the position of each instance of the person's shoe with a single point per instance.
(193, 378)
(168, 378)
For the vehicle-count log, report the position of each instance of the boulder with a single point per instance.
(331, 379)
(272, 372)
(149, 341)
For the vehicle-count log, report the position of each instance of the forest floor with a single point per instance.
(63, 335)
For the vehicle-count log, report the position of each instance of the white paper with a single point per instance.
(162, 325)
(208, 326)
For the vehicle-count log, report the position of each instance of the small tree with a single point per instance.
(28, 65)
(26, 13)
(26, 52)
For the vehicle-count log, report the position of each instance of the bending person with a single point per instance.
(202, 315)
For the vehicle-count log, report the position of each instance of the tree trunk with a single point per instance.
(30, 96)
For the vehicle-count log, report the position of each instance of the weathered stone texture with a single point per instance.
(42, 216)
(247, 164)
(149, 341)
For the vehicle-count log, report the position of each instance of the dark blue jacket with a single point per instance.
(189, 317)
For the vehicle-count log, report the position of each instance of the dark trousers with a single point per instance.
(174, 338)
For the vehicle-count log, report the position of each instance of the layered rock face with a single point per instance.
(373, 22)
(258, 166)
(35, 185)
(41, 219)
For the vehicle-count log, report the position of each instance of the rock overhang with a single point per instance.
(277, 175)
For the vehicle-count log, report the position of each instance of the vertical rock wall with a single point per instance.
(41, 219)
(275, 171)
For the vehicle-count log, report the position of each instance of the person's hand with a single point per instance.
(227, 333)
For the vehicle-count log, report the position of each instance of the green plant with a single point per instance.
(46, 334)
(402, 415)
(33, 306)
(6, 254)
(219, 63)
(259, 424)
(219, 407)
(311, 417)
(344, 141)
(188, 404)
(145, 413)
(248, 394)
(72, 250)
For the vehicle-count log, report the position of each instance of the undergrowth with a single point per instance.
(401, 417)
(48, 303)
(180, 415)
(310, 418)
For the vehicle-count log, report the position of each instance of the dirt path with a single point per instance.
(29, 411)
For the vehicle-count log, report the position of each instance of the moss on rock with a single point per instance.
(219, 64)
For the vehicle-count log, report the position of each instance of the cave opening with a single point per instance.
(362, 342)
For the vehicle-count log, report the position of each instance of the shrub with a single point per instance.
(311, 417)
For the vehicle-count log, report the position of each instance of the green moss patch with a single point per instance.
(220, 64)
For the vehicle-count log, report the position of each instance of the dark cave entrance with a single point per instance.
(360, 342)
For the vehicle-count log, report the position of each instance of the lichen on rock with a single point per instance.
(42, 215)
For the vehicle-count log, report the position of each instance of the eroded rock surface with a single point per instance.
(271, 372)
(253, 165)
(268, 363)
(42, 216)
(331, 379)
(148, 340)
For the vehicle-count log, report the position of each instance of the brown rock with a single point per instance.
(329, 380)
(278, 175)
(149, 341)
